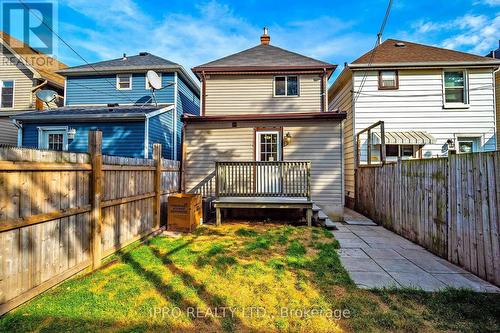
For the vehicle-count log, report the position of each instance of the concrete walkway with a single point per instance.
(376, 257)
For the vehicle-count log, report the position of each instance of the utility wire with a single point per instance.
(372, 55)
(374, 94)
(72, 49)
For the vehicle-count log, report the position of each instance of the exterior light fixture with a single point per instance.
(71, 133)
(287, 139)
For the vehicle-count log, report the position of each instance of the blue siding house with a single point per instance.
(115, 97)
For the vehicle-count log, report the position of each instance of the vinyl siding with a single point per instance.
(101, 89)
(8, 131)
(160, 131)
(118, 139)
(11, 69)
(318, 142)
(343, 102)
(250, 94)
(425, 112)
(187, 102)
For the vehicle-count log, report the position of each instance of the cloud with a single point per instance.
(470, 33)
(488, 2)
(210, 31)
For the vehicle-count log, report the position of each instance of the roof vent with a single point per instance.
(142, 54)
(400, 44)
(113, 105)
(124, 56)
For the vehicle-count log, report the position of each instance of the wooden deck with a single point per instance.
(263, 185)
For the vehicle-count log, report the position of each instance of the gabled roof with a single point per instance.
(264, 57)
(93, 113)
(46, 68)
(403, 53)
(142, 62)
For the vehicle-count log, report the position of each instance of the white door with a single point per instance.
(268, 149)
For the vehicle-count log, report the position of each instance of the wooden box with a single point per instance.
(184, 212)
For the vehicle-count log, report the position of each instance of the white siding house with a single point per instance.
(436, 105)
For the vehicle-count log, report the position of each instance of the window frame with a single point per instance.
(118, 81)
(13, 94)
(477, 142)
(286, 86)
(453, 105)
(257, 142)
(381, 87)
(43, 139)
(147, 87)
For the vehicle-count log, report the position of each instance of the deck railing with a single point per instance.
(263, 179)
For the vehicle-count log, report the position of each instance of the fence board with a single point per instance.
(448, 205)
(34, 257)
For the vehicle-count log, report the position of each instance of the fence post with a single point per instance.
(95, 151)
(157, 185)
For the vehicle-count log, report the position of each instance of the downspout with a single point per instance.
(324, 101)
(203, 92)
(19, 132)
(176, 92)
(182, 185)
(495, 107)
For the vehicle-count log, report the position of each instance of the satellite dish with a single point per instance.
(46, 96)
(154, 79)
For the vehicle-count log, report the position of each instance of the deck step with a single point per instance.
(322, 216)
(330, 225)
(316, 208)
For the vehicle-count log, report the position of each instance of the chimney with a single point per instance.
(265, 39)
(124, 56)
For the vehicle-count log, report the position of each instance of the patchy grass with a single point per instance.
(265, 277)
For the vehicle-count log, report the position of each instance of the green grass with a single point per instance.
(258, 271)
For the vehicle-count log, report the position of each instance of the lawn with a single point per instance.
(243, 278)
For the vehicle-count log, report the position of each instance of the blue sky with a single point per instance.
(193, 32)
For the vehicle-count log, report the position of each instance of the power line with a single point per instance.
(72, 49)
(373, 94)
(372, 55)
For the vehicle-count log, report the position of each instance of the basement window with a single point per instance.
(286, 86)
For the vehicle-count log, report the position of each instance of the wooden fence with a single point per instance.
(450, 206)
(62, 213)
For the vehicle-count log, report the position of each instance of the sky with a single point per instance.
(194, 32)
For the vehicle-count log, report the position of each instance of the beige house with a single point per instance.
(431, 100)
(265, 122)
(23, 70)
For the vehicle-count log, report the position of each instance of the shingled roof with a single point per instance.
(400, 52)
(264, 57)
(35, 60)
(142, 61)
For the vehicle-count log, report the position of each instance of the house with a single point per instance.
(265, 124)
(23, 71)
(430, 100)
(115, 96)
(496, 55)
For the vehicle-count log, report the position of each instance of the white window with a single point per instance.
(468, 145)
(7, 94)
(286, 85)
(392, 152)
(148, 86)
(53, 138)
(388, 80)
(124, 81)
(268, 146)
(455, 88)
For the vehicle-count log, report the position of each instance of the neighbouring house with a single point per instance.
(430, 100)
(496, 55)
(115, 96)
(23, 70)
(265, 124)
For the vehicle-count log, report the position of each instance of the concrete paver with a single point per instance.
(376, 258)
